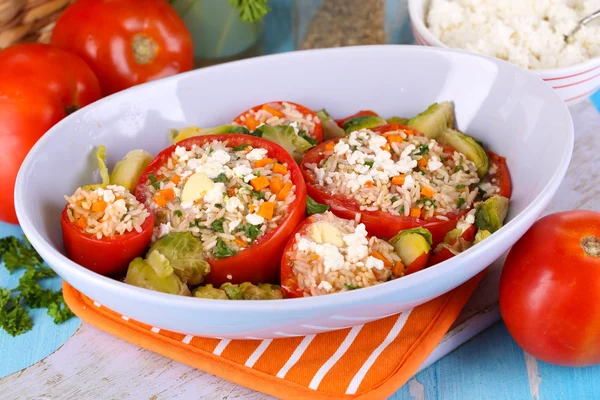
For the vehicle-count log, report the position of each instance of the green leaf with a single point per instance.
(304, 135)
(312, 207)
(251, 10)
(251, 231)
(152, 179)
(221, 178)
(221, 250)
(217, 225)
(240, 147)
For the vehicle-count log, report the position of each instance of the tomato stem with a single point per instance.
(144, 49)
(591, 246)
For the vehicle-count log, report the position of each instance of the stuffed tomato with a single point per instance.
(396, 178)
(305, 122)
(240, 196)
(328, 255)
(105, 228)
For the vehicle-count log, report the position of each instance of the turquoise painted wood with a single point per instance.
(490, 366)
(45, 337)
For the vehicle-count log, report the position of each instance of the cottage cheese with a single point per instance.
(529, 33)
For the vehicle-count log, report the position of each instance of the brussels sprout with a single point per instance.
(397, 120)
(210, 292)
(433, 121)
(331, 129)
(490, 214)
(101, 158)
(452, 236)
(127, 172)
(177, 136)
(155, 273)
(286, 137)
(469, 147)
(186, 255)
(410, 244)
(363, 122)
(481, 235)
(248, 291)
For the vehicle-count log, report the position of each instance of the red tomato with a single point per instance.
(106, 256)
(445, 254)
(258, 263)
(126, 42)
(361, 113)
(417, 265)
(317, 134)
(289, 280)
(501, 176)
(550, 289)
(377, 223)
(39, 86)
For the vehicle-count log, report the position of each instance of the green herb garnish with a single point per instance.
(14, 304)
(370, 163)
(153, 182)
(258, 195)
(427, 200)
(251, 10)
(421, 150)
(457, 168)
(240, 147)
(221, 178)
(394, 199)
(460, 202)
(251, 231)
(217, 225)
(312, 207)
(221, 250)
(461, 186)
(352, 287)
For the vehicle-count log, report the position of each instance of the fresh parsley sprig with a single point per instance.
(14, 303)
(251, 10)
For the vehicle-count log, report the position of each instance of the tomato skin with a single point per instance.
(106, 256)
(502, 175)
(550, 290)
(445, 254)
(417, 265)
(317, 134)
(260, 262)
(377, 223)
(39, 86)
(105, 32)
(361, 113)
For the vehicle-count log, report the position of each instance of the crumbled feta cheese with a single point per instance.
(305, 245)
(242, 170)
(248, 178)
(470, 219)
(211, 169)
(434, 164)
(295, 126)
(233, 203)
(220, 157)
(215, 195)
(108, 196)
(256, 154)
(165, 229)
(341, 148)
(229, 277)
(325, 286)
(333, 260)
(254, 219)
(409, 183)
(234, 223)
(357, 243)
(375, 263)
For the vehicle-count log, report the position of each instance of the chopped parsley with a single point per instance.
(460, 202)
(394, 199)
(251, 231)
(153, 182)
(218, 205)
(221, 250)
(178, 213)
(312, 207)
(427, 200)
(352, 287)
(221, 178)
(15, 303)
(240, 147)
(353, 148)
(402, 210)
(461, 186)
(195, 223)
(421, 150)
(370, 163)
(217, 225)
(457, 168)
(302, 133)
(258, 195)
(210, 150)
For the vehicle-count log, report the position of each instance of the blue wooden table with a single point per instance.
(490, 366)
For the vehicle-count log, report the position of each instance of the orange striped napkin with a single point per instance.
(369, 361)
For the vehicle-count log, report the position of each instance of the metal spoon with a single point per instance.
(581, 23)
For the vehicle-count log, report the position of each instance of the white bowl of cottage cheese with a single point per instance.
(528, 33)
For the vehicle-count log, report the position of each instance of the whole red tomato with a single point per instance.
(550, 289)
(39, 86)
(126, 42)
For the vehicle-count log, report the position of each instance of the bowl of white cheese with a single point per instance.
(528, 33)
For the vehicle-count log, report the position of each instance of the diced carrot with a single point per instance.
(283, 194)
(252, 208)
(241, 242)
(168, 194)
(176, 179)
(427, 192)
(98, 206)
(369, 184)
(394, 138)
(263, 162)
(422, 162)
(398, 179)
(251, 122)
(266, 210)
(379, 256)
(259, 183)
(329, 146)
(386, 147)
(273, 111)
(276, 184)
(280, 169)
(231, 191)
(119, 198)
(415, 212)
(398, 268)
(82, 223)
(159, 200)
